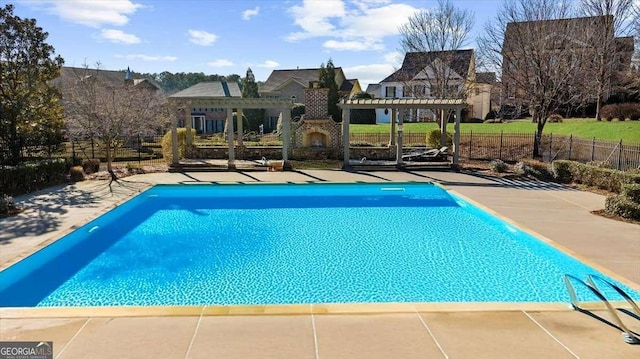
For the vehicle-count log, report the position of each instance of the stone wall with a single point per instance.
(242, 153)
(305, 127)
(275, 152)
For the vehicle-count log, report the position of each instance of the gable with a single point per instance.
(428, 72)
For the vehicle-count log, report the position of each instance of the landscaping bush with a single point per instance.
(498, 166)
(167, 144)
(561, 171)
(533, 168)
(472, 120)
(599, 164)
(361, 144)
(31, 176)
(620, 205)
(433, 139)
(621, 111)
(491, 115)
(632, 192)
(630, 110)
(76, 174)
(602, 178)
(7, 206)
(555, 118)
(91, 165)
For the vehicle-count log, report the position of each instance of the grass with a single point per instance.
(627, 131)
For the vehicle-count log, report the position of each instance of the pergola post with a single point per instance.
(392, 135)
(443, 127)
(240, 124)
(187, 122)
(399, 147)
(229, 128)
(174, 139)
(286, 125)
(346, 117)
(456, 138)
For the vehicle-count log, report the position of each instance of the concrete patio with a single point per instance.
(556, 212)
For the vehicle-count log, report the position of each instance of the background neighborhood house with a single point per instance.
(423, 74)
(292, 84)
(207, 120)
(565, 46)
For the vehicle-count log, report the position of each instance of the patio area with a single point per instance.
(556, 212)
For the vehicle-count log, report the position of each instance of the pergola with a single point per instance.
(229, 103)
(456, 105)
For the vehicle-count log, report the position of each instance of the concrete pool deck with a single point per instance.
(554, 211)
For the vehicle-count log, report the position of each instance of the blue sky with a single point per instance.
(227, 36)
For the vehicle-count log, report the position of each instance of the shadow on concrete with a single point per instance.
(498, 182)
(44, 210)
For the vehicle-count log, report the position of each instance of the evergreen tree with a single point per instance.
(31, 113)
(250, 90)
(327, 79)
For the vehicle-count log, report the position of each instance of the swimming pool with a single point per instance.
(290, 244)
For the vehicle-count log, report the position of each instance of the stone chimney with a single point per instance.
(316, 103)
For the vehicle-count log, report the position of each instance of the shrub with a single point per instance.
(32, 176)
(91, 165)
(498, 166)
(361, 144)
(599, 164)
(555, 118)
(494, 120)
(630, 110)
(603, 178)
(7, 205)
(632, 192)
(561, 171)
(621, 206)
(167, 144)
(76, 174)
(472, 120)
(491, 115)
(433, 139)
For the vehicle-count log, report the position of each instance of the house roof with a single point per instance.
(624, 44)
(113, 78)
(414, 62)
(302, 76)
(541, 29)
(210, 89)
(374, 90)
(347, 85)
(486, 77)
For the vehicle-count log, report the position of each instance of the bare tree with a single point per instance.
(442, 32)
(110, 111)
(616, 22)
(535, 45)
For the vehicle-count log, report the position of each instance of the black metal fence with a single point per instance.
(133, 150)
(509, 146)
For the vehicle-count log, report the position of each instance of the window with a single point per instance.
(406, 91)
(390, 91)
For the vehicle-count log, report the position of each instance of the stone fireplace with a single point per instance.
(316, 130)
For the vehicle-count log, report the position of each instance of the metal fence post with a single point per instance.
(73, 152)
(619, 165)
(470, 141)
(593, 149)
(140, 150)
(570, 144)
(500, 151)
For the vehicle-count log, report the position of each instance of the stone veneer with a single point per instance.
(315, 103)
(317, 133)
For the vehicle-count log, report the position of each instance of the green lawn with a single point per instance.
(627, 131)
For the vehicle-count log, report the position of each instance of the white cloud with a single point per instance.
(360, 25)
(248, 14)
(220, 63)
(119, 37)
(146, 57)
(92, 13)
(352, 45)
(369, 74)
(314, 18)
(394, 58)
(202, 38)
(270, 64)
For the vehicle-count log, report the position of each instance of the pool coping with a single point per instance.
(308, 309)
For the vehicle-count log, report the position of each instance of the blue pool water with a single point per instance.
(287, 244)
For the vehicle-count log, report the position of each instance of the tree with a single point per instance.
(250, 90)
(442, 31)
(363, 116)
(533, 44)
(327, 79)
(110, 112)
(29, 110)
(616, 22)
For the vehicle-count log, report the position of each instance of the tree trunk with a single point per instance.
(599, 107)
(108, 154)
